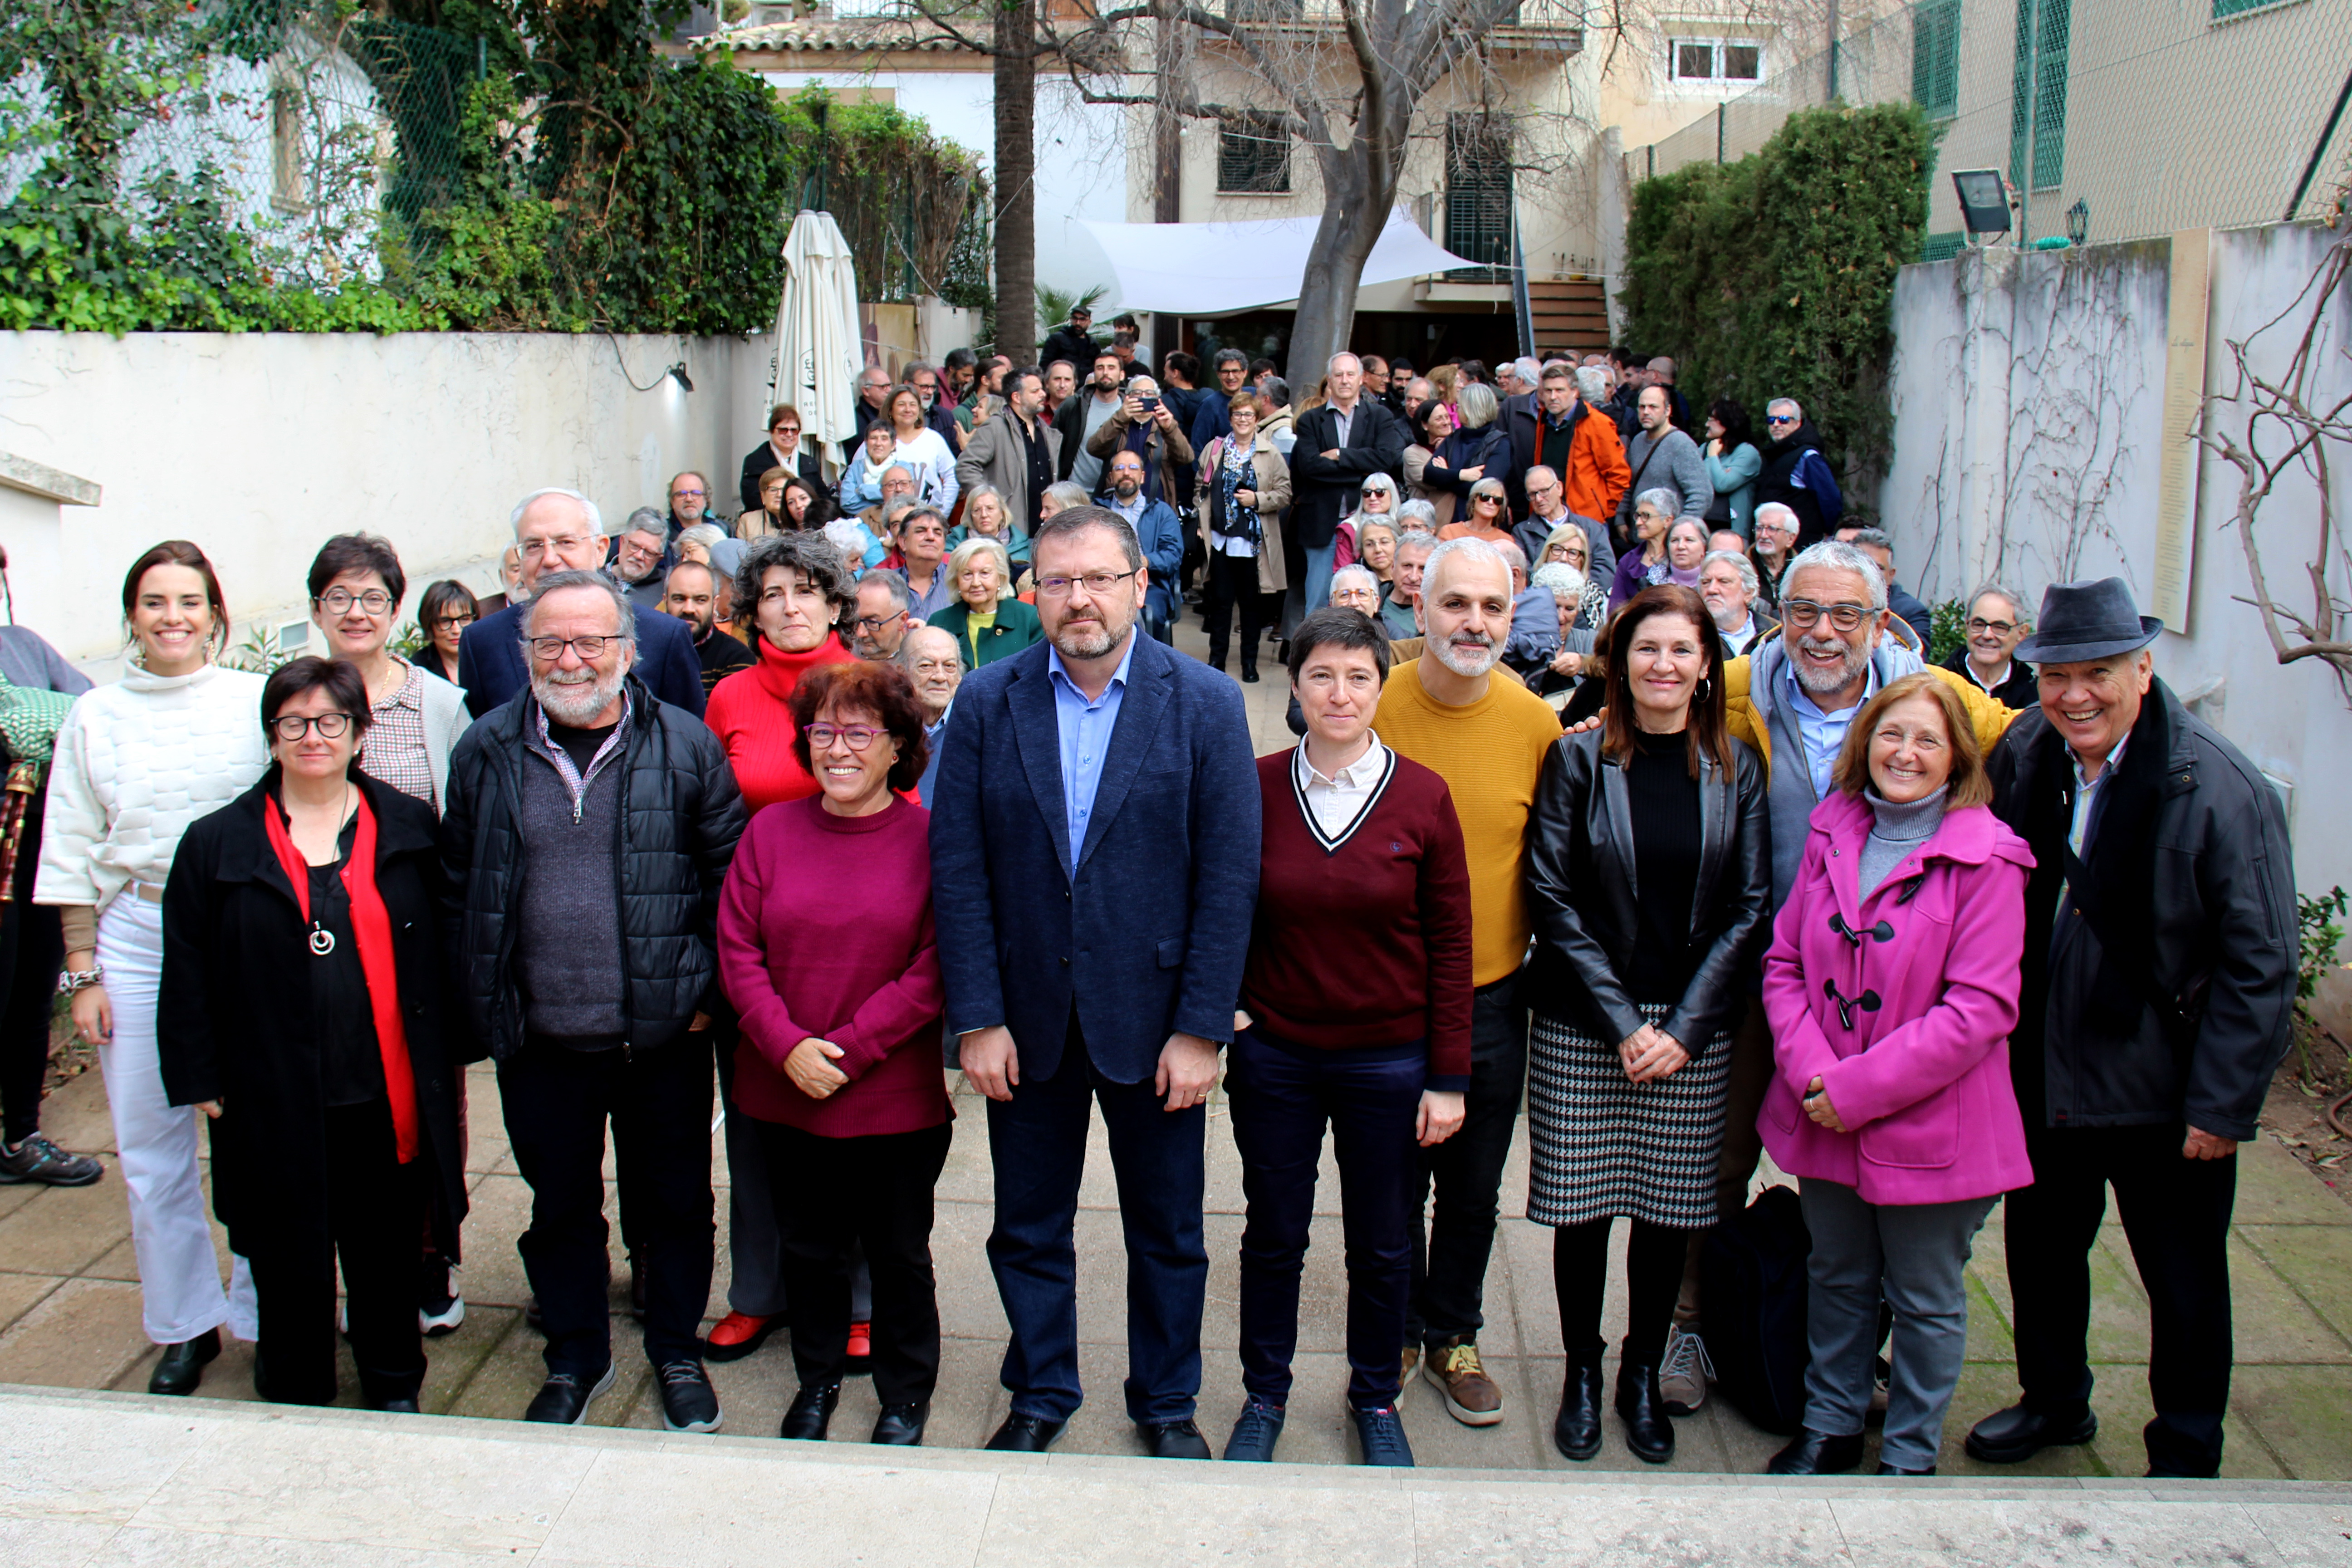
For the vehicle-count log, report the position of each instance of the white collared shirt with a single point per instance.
(2008, 668)
(1337, 802)
(1736, 642)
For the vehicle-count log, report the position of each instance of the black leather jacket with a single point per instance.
(1580, 892)
(680, 816)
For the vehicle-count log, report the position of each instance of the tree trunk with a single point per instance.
(1015, 67)
(1355, 209)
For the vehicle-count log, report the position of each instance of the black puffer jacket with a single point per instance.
(2190, 871)
(681, 815)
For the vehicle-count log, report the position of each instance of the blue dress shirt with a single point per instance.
(1824, 733)
(1085, 728)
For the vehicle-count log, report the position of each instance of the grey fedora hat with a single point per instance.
(2088, 620)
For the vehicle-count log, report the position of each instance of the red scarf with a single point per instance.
(371, 927)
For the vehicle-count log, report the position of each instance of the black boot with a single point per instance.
(1577, 1432)
(183, 1366)
(1649, 1430)
(1217, 655)
(1249, 661)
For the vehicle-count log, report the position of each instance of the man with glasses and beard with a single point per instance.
(1487, 737)
(691, 595)
(584, 1024)
(1094, 868)
(1793, 697)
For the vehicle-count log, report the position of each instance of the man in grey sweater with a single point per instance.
(1662, 458)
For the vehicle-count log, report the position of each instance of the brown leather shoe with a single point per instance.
(1411, 1363)
(1471, 1396)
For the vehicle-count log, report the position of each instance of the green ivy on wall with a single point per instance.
(1774, 276)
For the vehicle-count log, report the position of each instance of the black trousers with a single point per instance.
(374, 1205)
(1232, 580)
(32, 951)
(1579, 1279)
(1450, 1252)
(557, 1102)
(833, 1194)
(2176, 1213)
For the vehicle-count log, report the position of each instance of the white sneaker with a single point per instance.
(1685, 1372)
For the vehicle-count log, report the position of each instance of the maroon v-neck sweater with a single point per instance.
(1365, 941)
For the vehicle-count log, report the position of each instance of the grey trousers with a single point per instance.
(1916, 1256)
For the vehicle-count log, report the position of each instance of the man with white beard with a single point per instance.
(1487, 737)
(583, 1024)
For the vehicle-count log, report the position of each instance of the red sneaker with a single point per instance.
(861, 1349)
(737, 1335)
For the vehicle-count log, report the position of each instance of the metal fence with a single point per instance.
(2126, 118)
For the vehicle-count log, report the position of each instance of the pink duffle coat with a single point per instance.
(1921, 1081)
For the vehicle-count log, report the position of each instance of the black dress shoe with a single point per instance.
(902, 1425)
(1577, 1432)
(400, 1407)
(564, 1399)
(1812, 1453)
(811, 1412)
(1173, 1439)
(2013, 1435)
(183, 1366)
(1024, 1435)
(1886, 1469)
(1642, 1405)
(1249, 675)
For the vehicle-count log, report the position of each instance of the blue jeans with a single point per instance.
(1315, 588)
(1917, 1256)
(1282, 1097)
(1037, 1146)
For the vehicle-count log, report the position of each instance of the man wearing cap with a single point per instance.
(2159, 975)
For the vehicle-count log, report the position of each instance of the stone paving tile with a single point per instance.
(2314, 1260)
(173, 1547)
(1466, 1525)
(69, 1229)
(2300, 1414)
(2276, 1188)
(81, 1335)
(20, 1293)
(1141, 1520)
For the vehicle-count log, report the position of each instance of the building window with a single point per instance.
(2042, 27)
(1479, 190)
(1252, 154)
(288, 187)
(1935, 57)
(1715, 60)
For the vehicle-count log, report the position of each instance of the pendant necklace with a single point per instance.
(323, 941)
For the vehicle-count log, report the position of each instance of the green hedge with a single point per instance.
(1774, 276)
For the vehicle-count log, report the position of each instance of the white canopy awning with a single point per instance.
(1216, 269)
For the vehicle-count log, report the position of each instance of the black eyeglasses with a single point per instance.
(1096, 582)
(339, 601)
(292, 727)
(1978, 624)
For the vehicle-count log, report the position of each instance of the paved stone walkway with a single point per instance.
(69, 1315)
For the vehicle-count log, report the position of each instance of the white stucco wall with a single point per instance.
(2029, 420)
(258, 447)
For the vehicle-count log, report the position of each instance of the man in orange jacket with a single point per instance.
(1561, 433)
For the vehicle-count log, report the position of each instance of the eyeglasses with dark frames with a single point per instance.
(292, 727)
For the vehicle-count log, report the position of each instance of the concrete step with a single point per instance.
(96, 1477)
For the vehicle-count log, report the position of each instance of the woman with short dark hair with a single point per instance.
(445, 612)
(137, 762)
(356, 586)
(1649, 878)
(302, 1011)
(793, 588)
(838, 1065)
(1355, 1009)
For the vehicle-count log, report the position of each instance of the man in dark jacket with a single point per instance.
(2160, 959)
(1796, 475)
(596, 1006)
(1340, 442)
(1095, 857)
(1996, 625)
(1074, 341)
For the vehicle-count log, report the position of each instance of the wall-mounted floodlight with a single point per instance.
(1984, 200)
(677, 374)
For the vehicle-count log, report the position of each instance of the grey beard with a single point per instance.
(1470, 670)
(575, 704)
(1821, 684)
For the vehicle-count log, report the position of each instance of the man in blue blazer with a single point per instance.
(557, 531)
(1094, 867)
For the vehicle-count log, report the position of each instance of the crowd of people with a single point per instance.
(1623, 794)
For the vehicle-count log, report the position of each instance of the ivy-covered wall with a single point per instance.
(542, 170)
(1774, 276)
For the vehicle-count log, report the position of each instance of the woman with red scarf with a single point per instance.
(301, 1010)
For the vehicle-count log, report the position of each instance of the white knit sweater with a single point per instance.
(137, 762)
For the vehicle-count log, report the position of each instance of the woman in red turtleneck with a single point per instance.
(795, 587)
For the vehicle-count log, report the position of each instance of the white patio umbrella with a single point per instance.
(818, 354)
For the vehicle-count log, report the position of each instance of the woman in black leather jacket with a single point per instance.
(1649, 878)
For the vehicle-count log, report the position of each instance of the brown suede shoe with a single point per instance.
(1471, 1396)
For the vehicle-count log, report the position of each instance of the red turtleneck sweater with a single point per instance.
(750, 713)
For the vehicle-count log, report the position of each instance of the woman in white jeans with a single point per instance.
(137, 762)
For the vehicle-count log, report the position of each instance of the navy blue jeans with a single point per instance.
(1037, 1147)
(1283, 1095)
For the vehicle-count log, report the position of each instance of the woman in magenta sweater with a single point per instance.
(838, 1064)
(1355, 1011)
(1892, 988)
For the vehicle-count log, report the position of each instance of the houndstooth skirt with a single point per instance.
(1600, 1145)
